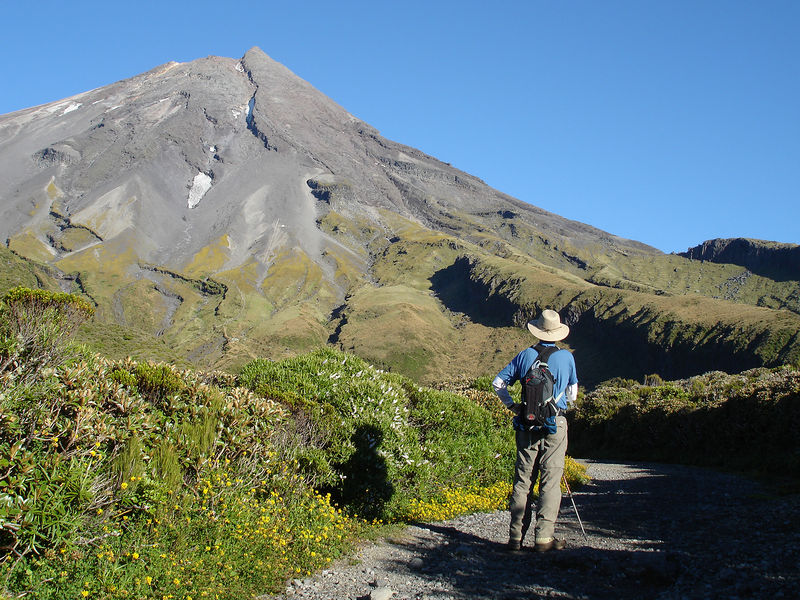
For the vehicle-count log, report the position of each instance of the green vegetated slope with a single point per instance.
(627, 333)
(19, 271)
(676, 275)
(140, 479)
(438, 305)
(450, 309)
(105, 336)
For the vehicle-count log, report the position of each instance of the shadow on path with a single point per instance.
(655, 531)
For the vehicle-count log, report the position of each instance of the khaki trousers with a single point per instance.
(538, 454)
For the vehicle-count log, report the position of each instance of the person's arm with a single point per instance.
(572, 393)
(500, 384)
(572, 383)
(501, 389)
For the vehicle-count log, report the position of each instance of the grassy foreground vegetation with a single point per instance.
(126, 479)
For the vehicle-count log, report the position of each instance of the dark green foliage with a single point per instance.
(375, 440)
(123, 377)
(748, 422)
(157, 381)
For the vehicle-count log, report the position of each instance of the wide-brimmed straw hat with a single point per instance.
(548, 327)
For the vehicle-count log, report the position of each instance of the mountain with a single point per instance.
(226, 209)
(771, 259)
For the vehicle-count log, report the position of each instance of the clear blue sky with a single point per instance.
(669, 122)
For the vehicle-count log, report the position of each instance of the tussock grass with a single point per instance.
(26, 243)
(132, 479)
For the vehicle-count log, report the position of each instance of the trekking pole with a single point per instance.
(569, 491)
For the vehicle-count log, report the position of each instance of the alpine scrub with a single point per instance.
(121, 479)
(390, 449)
(376, 440)
(124, 474)
(704, 420)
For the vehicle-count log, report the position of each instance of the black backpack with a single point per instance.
(539, 410)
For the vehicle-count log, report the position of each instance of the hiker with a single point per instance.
(538, 450)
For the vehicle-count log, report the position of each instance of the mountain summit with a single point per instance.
(188, 152)
(231, 209)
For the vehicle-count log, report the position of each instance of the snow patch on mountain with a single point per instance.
(200, 185)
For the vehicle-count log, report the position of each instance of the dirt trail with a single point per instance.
(654, 531)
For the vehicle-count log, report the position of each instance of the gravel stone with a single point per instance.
(382, 593)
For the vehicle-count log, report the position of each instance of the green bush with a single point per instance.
(746, 422)
(376, 440)
(169, 485)
(121, 479)
(35, 326)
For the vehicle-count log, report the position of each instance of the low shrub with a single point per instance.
(180, 489)
(123, 479)
(35, 326)
(376, 440)
(705, 420)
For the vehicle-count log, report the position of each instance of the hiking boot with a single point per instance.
(553, 544)
(514, 545)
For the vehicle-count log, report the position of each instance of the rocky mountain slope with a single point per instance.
(227, 209)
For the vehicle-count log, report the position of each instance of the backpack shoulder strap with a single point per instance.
(545, 352)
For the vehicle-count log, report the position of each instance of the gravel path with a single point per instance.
(654, 531)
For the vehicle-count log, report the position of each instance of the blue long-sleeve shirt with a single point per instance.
(561, 365)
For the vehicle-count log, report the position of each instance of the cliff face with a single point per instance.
(770, 259)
